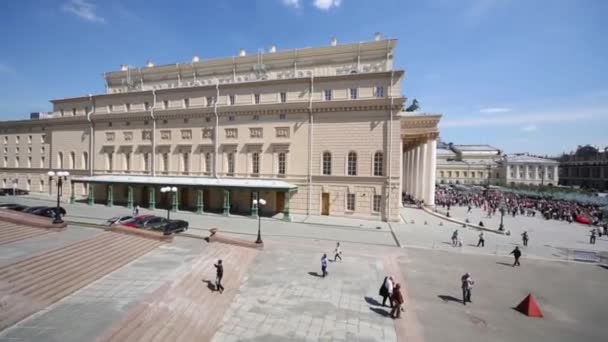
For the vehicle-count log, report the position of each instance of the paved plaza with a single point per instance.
(280, 296)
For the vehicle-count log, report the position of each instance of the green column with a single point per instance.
(91, 193)
(130, 197)
(110, 200)
(72, 195)
(286, 215)
(254, 207)
(226, 202)
(174, 201)
(151, 198)
(199, 201)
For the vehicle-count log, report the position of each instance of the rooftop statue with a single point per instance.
(413, 107)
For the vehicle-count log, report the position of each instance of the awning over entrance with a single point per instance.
(190, 181)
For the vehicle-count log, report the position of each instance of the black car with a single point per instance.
(17, 207)
(173, 227)
(9, 192)
(31, 210)
(48, 211)
(152, 222)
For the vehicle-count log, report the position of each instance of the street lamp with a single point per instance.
(61, 176)
(172, 190)
(258, 203)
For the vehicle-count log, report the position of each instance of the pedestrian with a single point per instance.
(524, 237)
(337, 252)
(386, 290)
(136, 211)
(455, 238)
(324, 265)
(219, 273)
(481, 241)
(467, 287)
(516, 253)
(592, 237)
(397, 302)
(469, 209)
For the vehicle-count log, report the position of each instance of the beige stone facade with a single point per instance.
(468, 164)
(325, 121)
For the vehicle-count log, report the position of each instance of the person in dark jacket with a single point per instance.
(467, 287)
(516, 253)
(397, 302)
(386, 290)
(592, 237)
(524, 238)
(219, 273)
(324, 265)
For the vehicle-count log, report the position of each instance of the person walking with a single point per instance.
(386, 290)
(524, 237)
(592, 237)
(136, 211)
(481, 241)
(516, 253)
(219, 274)
(467, 287)
(455, 238)
(324, 265)
(469, 209)
(337, 252)
(397, 302)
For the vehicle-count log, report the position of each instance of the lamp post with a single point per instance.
(61, 176)
(258, 203)
(169, 190)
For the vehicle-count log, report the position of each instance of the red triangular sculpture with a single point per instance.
(529, 307)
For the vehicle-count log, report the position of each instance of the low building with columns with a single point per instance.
(468, 164)
(525, 169)
(313, 131)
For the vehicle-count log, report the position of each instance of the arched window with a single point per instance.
(378, 164)
(352, 163)
(85, 160)
(72, 160)
(326, 163)
(255, 163)
(128, 161)
(110, 161)
(60, 160)
(146, 161)
(208, 162)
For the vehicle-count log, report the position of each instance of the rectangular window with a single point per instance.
(230, 162)
(208, 162)
(282, 116)
(147, 105)
(42, 161)
(16, 161)
(128, 107)
(186, 162)
(29, 139)
(5, 162)
(376, 204)
(110, 109)
(283, 97)
(282, 163)
(256, 98)
(186, 103)
(210, 101)
(73, 111)
(232, 100)
(17, 139)
(255, 163)
(29, 161)
(165, 104)
(6, 140)
(379, 91)
(327, 94)
(353, 93)
(256, 117)
(231, 118)
(146, 161)
(128, 161)
(350, 202)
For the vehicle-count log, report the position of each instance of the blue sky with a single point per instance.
(522, 75)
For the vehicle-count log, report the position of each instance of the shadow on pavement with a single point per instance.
(381, 312)
(315, 274)
(603, 266)
(210, 285)
(449, 298)
(503, 263)
(372, 301)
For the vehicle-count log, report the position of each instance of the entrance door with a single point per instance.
(325, 203)
(185, 199)
(280, 202)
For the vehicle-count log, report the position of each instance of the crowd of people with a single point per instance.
(492, 201)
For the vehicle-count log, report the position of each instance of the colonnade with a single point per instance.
(419, 170)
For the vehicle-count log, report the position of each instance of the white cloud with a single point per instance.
(83, 9)
(6, 69)
(529, 128)
(292, 3)
(326, 4)
(494, 110)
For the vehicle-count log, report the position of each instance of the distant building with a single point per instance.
(525, 169)
(467, 164)
(587, 168)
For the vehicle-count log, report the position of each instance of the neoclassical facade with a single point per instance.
(525, 169)
(468, 164)
(318, 131)
(586, 168)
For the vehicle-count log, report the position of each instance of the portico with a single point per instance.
(419, 134)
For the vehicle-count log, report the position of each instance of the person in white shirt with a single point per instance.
(337, 252)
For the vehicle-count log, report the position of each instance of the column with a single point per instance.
(151, 198)
(402, 173)
(422, 169)
(536, 173)
(255, 196)
(555, 175)
(415, 152)
(409, 172)
(200, 207)
(527, 172)
(110, 199)
(226, 202)
(174, 200)
(91, 193)
(431, 162)
(286, 216)
(130, 196)
(412, 172)
(72, 194)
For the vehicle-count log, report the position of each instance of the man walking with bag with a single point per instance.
(467, 286)
(386, 290)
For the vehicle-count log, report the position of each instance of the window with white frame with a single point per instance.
(186, 103)
(232, 99)
(230, 163)
(128, 161)
(110, 109)
(128, 107)
(352, 164)
(29, 139)
(17, 139)
(147, 105)
(379, 91)
(350, 202)
(326, 163)
(41, 187)
(378, 164)
(146, 161)
(208, 162)
(4, 183)
(282, 163)
(42, 161)
(255, 163)
(28, 185)
(327, 94)
(110, 161)
(283, 97)
(166, 104)
(377, 202)
(256, 98)
(354, 94)
(210, 101)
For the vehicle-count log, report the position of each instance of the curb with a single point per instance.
(462, 222)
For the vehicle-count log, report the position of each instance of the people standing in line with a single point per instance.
(337, 252)
(386, 290)
(467, 287)
(592, 237)
(524, 237)
(455, 238)
(481, 241)
(516, 253)
(219, 274)
(397, 302)
(324, 265)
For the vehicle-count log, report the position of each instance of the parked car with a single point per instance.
(119, 220)
(17, 207)
(9, 192)
(153, 222)
(9, 205)
(30, 210)
(173, 227)
(48, 211)
(137, 220)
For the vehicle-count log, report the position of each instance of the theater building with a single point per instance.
(313, 131)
